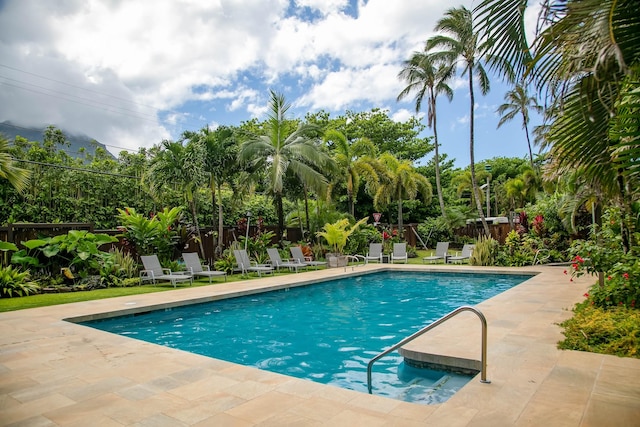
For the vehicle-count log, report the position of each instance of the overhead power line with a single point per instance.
(77, 169)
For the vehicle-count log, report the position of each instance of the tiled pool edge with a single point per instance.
(53, 371)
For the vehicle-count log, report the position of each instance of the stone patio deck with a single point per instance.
(53, 372)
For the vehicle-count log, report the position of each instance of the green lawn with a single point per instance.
(43, 300)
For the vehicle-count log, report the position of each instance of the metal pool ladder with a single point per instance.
(483, 320)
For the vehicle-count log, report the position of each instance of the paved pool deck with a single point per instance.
(54, 372)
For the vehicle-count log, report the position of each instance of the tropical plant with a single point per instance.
(355, 161)
(285, 147)
(14, 282)
(17, 176)
(518, 102)
(401, 182)
(461, 43)
(336, 234)
(182, 166)
(222, 166)
(485, 251)
(150, 235)
(426, 77)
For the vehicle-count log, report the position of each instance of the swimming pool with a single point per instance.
(325, 332)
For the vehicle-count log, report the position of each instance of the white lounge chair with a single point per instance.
(375, 253)
(195, 267)
(298, 256)
(153, 271)
(399, 253)
(244, 264)
(463, 256)
(442, 249)
(277, 262)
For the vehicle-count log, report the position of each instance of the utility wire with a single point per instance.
(76, 169)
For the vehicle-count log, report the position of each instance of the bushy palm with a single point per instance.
(355, 162)
(401, 182)
(285, 147)
(17, 176)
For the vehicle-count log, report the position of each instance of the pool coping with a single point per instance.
(54, 372)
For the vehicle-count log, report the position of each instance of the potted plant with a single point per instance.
(336, 235)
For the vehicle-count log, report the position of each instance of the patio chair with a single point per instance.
(399, 252)
(153, 272)
(442, 249)
(195, 268)
(298, 256)
(462, 256)
(375, 253)
(276, 261)
(245, 266)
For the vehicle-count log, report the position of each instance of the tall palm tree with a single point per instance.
(402, 182)
(354, 162)
(222, 166)
(583, 59)
(518, 102)
(183, 167)
(459, 43)
(17, 176)
(425, 77)
(285, 148)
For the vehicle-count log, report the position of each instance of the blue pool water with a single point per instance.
(325, 332)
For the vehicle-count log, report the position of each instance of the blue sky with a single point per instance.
(130, 75)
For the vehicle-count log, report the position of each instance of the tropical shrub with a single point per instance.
(485, 251)
(14, 282)
(226, 262)
(154, 235)
(603, 253)
(615, 330)
(337, 233)
(358, 242)
(434, 230)
(517, 250)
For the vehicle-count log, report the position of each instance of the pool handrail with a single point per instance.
(483, 320)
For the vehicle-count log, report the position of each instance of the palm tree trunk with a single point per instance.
(192, 203)
(526, 132)
(306, 208)
(350, 194)
(400, 223)
(437, 160)
(280, 213)
(220, 245)
(472, 157)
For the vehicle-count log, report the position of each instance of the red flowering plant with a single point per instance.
(603, 253)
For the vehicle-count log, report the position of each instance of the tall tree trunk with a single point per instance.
(437, 157)
(306, 208)
(220, 245)
(476, 191)
(280, 213)
(192, 203)
(400, 223)
(350, 194)
(526, 132)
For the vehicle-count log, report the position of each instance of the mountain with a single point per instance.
(76, 141)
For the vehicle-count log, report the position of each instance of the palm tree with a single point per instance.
(183, 167)
(354, 162)
(285, 148)
(460, 43)
(402, 182)
(517, 101)
(425, 77)
(222, 166)
(17, 177)
(585, 59)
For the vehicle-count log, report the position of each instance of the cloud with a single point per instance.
(131, 74)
